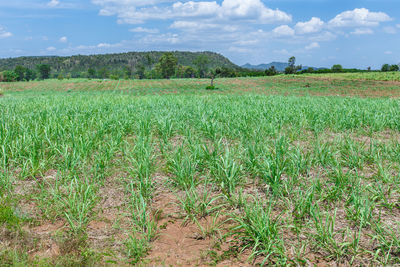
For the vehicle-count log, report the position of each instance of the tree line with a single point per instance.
(167, 67)
(292, 68)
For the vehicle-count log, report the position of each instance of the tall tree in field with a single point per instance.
(167, 65)
(44, 71)
(385, 68)
(292, 68)
(201, 63)
(337, 68)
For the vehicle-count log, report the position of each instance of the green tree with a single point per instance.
(149, 61)
(189, 72)
(167, 65)
(140, 71)
(394, 67)
(44, 71)
(127, 72)
(385, 68)
(91, 73)
(201, 62)
(292, 68)
(20, 72)
(29, 74)
(337, 68)
(103, 73)
(271, 71)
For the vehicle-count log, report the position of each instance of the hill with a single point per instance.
(280, 66)
(112, 62)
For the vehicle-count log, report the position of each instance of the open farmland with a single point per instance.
(289, 170)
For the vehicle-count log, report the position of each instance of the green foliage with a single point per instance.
(167, 65)
(292, 68)
(44, 71)
(91, 73)
(271, 71)
(141, 71)
(202, 62)
(385, 68)
(8, 76)
(337, 68)
(394, 67)
(8, 216)
(60, 77)
(20, 72)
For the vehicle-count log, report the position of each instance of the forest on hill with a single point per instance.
(121, 64)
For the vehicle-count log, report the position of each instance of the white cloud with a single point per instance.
(4, 33)
(107, 45)
(312, 26)
(359, 17)
(51, 49)
(135, 12)
(63, 39)
(53, 3)
(362, 31)
(398, 25)
(283, 30)
(388, 52)
(390, 30)
(313, 45)
(144, 30)
(202, 26)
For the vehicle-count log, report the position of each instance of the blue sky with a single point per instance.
(353, 33)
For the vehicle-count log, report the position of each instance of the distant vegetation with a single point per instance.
(131, 65)
(151, 65)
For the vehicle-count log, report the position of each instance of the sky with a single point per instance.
(318, 33)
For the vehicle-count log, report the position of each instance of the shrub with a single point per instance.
(271, 71)
(114, 77)
(211, 87)
(8, 76)
(60, 77)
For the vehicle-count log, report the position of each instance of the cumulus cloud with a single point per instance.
(63, 39)
(53, 3)
(283, 30)
(135, 12)
(359, 17)
(4, 33)
(362, 31)
(313, 45)
(312, 26)
(51, 49)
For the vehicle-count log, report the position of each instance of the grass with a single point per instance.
(264, 170)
